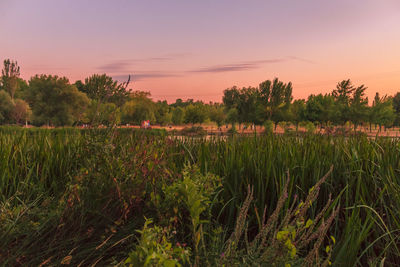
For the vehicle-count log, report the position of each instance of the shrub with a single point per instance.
(309, 126)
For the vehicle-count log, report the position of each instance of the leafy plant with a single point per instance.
(194, 192)
(154, 248)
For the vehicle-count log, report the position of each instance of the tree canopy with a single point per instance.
(54, 101)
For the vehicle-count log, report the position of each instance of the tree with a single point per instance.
(180, 103)
(358, 109)
(54, 101)
(6, 107)
(297, 112)
(342, 95)
(162, 113)
(195, 114)
(276, 97)
(178, 115)
(217, 115)
(320, 108)
(103, 89)
(140, 107)
(381, 112)
(9, 77)
(22, 88)
(21, 111)
(396, 107)
(343, 91)
(250, 107)
(136, 111)
(231, 98)
(232, 117)
(103, 114)
(80, 86)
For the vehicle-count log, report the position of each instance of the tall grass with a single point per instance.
(66, 183)
(365, 180)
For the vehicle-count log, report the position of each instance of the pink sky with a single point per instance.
(196, 49)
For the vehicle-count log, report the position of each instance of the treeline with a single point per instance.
(272, 101)
(54, 101)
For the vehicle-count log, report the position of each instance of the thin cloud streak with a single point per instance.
(247, 65)
(121, 68)
(126, 64)
(242, 66)
(302, 59)
(139, 76)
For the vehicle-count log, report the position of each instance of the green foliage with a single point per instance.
(269, 127)
(80, 195)
(55, 101)
(6, 107)
(321, 108)
(195, 114)
(343, 92)
(297, 111)
(136, 111)
(178, 115)
(382, 111)
(309, 126)
(21, 112)
(162, 113)
(217, 115)
(154, 248)
(270, 100)
(277, 96)
(10, 77)
(194, 192)
(285, 125)
(103, 89)
(232, 116)
(102, 114)
(358, 110)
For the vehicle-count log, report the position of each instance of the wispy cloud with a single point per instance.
(125, 65)
(114, 67)
(120, 69)
(302, 59)
(138, 76)
(245, 65)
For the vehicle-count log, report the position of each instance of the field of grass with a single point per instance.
(143, 198)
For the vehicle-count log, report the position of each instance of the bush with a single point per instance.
(309, 126)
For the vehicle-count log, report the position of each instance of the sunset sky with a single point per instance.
(196, 49)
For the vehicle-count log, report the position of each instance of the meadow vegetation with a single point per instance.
(145, 198)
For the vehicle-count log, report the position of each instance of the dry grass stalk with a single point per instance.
(266, 246)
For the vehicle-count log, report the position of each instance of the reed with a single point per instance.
(63, 191)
